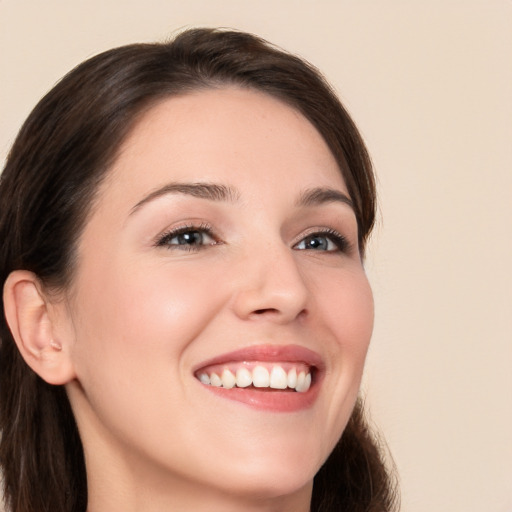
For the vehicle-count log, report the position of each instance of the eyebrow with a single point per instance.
(211, 191)
(319, 195)
(217, 192)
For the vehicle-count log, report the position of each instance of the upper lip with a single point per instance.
(268, 353)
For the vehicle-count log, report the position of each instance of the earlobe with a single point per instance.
(33, 321)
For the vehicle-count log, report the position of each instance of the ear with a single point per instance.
(36, 324)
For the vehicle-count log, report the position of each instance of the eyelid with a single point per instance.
(169, 233)
(341, 241)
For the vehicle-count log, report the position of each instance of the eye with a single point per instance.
(188, 238)
(328, 241)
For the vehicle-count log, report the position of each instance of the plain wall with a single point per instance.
(430, 85)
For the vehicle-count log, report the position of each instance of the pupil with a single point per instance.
(189, 238)
(317, 243)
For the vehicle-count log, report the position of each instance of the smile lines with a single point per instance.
(296, 377)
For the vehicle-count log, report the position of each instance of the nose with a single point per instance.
(271, 286)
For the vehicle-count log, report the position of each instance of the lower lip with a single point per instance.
(269, 400)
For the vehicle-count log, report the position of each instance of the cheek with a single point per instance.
(344, 303)
(159, 310)
(347, 305)
(173, 302)
(349, 313)
(133, 329)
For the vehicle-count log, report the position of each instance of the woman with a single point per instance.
(186, 310)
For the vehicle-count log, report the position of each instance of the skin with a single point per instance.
(140, 317)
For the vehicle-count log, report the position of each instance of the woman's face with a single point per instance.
(223, 242)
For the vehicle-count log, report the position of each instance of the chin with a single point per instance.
(271, 484)
(271, 475)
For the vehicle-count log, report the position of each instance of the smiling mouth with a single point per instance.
(282, 376)
(275, 378)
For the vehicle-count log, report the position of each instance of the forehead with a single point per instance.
(236, 136)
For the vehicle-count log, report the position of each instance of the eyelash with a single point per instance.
(341, 242)
(164, 239)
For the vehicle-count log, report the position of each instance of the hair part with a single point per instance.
(47, 190)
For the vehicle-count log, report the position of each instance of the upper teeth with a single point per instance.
(259, 377)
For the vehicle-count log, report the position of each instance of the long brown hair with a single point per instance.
(63, 151)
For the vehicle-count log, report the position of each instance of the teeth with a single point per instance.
(278, 378)
(301, 380)
(292, 378)
(260, 377)
(204, 378)
(228, 379)
(308, 382)
(215, 380)
(243, 378)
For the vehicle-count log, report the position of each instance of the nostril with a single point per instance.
(263, 311)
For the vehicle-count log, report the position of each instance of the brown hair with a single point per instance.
(63, 151)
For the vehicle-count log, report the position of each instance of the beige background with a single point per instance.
(430, 85)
